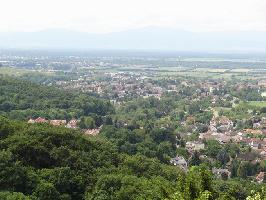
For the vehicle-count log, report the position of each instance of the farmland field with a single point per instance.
(257, 103)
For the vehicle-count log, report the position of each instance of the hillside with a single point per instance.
(22, 99)
(44, 162)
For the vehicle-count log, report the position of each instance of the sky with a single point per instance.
(103, 16)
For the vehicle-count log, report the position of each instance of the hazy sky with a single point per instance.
(116, 15)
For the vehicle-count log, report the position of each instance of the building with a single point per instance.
(194, 146)
(180, 162)
(40, 120)
(263, 154)
(72, 124)
(57, 122)
(253, 131)
(225, 124)
(219, 172)
(31, 121)
(257, 125)
(93, 132)
(254, 143)
(237, 138)
(262, 83)
(260, 177)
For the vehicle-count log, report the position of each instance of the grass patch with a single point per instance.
(257, 103)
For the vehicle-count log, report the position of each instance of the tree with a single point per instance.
(14, 176)
(263, 110)
(108, 120)
(202, 128)
(87, 123)
(46, 191)
(261, 195)
(242, 170)
(66, 181)
(195, 160)
(121, 186)
(234, 168)
(193, 108)
(165, 151)
(13, 196)
(223, 157)
(197, 183)
(212, 148)
(205, 196)
(5, 127)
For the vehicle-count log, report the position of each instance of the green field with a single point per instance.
(12, 71)
(257, 103)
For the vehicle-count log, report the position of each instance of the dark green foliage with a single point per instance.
(223, 157)
(22, 99)
(195, 160)
(158, 143)
(46, 191)
(61, 159)
(235, 189)
(121, 187)
(13, 196)
(45, 162)
(212, 148)
(87, 123)
(5, 127)
(248, 94)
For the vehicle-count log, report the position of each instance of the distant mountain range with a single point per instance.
(149, 38)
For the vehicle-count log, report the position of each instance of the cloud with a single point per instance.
(117, 15)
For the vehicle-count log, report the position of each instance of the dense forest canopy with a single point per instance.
(43, 162)
(22, 99)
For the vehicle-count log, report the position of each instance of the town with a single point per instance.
(166, 109)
